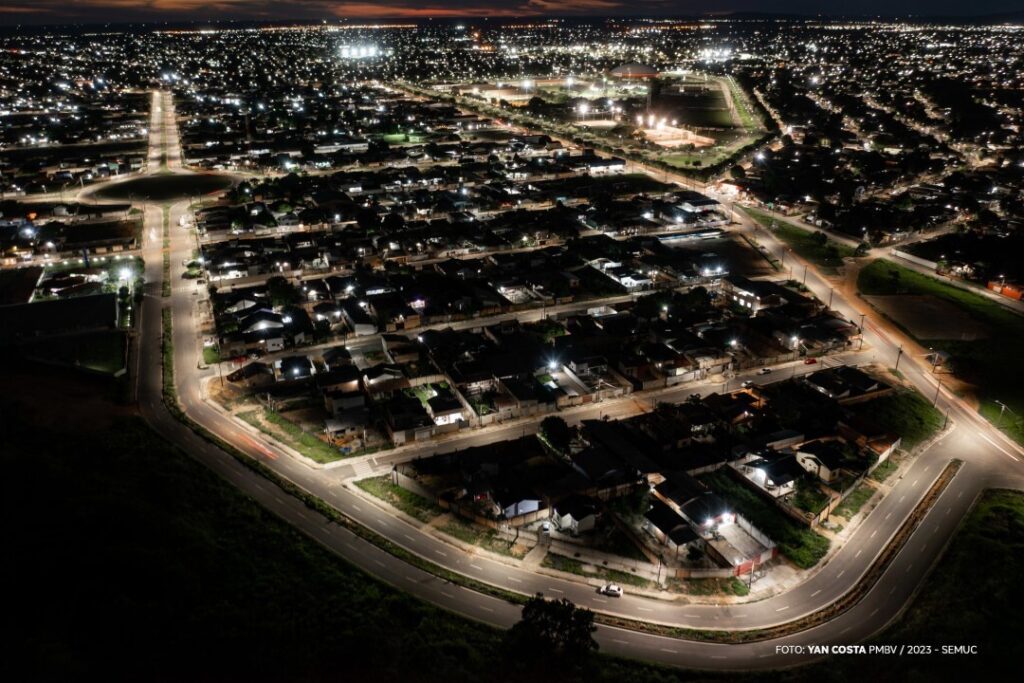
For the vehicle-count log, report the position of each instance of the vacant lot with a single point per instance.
(102, 352)
(907, 414)
(927, 317)
(992, 364)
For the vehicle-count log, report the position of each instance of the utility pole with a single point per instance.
(899, 354)
(831, 291)
(1002, 409)
(935, 401)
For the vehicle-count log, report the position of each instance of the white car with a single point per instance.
(747, 384)
(611, 590)
(764, 371)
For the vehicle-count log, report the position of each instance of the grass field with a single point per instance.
(290, 434)
(167, 569)
(211, 355)
(801, 545)
(485, 538)
(574, 566)
(906, 413)
(408, 502)
(102, 352)
(992, 364)
(885, 470)
(827, 255)
(854, 502)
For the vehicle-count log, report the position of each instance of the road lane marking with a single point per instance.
(845, 630)
(486, 609)
(888, 515)
(671, 652)
(815, 592)
(902, 498)
(621, 642)
(999, 448)
(644, 609)
(874, 613)
(599, 600)
(915, 482)
(380, 563)
(356, 508)
(782, 608)
(441, 552)
(873, 533)
(909, 567)
(555, 590)
(409, 537)
(479, 569)
(858, 553)
(512, 578)
(448, 595)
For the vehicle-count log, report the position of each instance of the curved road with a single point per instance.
(990, 460)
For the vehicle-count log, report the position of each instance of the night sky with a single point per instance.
(63, 11)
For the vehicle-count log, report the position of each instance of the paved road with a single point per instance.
(990, 460)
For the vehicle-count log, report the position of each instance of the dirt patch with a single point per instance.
(929, 317)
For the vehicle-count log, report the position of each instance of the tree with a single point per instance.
(556, 432)
(737, 172)
(282, 292)
(552, 634)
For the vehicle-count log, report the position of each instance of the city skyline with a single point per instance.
(124, 11)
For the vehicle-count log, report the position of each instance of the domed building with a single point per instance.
(633, 71)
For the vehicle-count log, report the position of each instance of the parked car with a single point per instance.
(764, 371)
(747, 384)
(611, 590)
(810, 361)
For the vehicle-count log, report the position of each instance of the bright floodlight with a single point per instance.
(125, 274)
